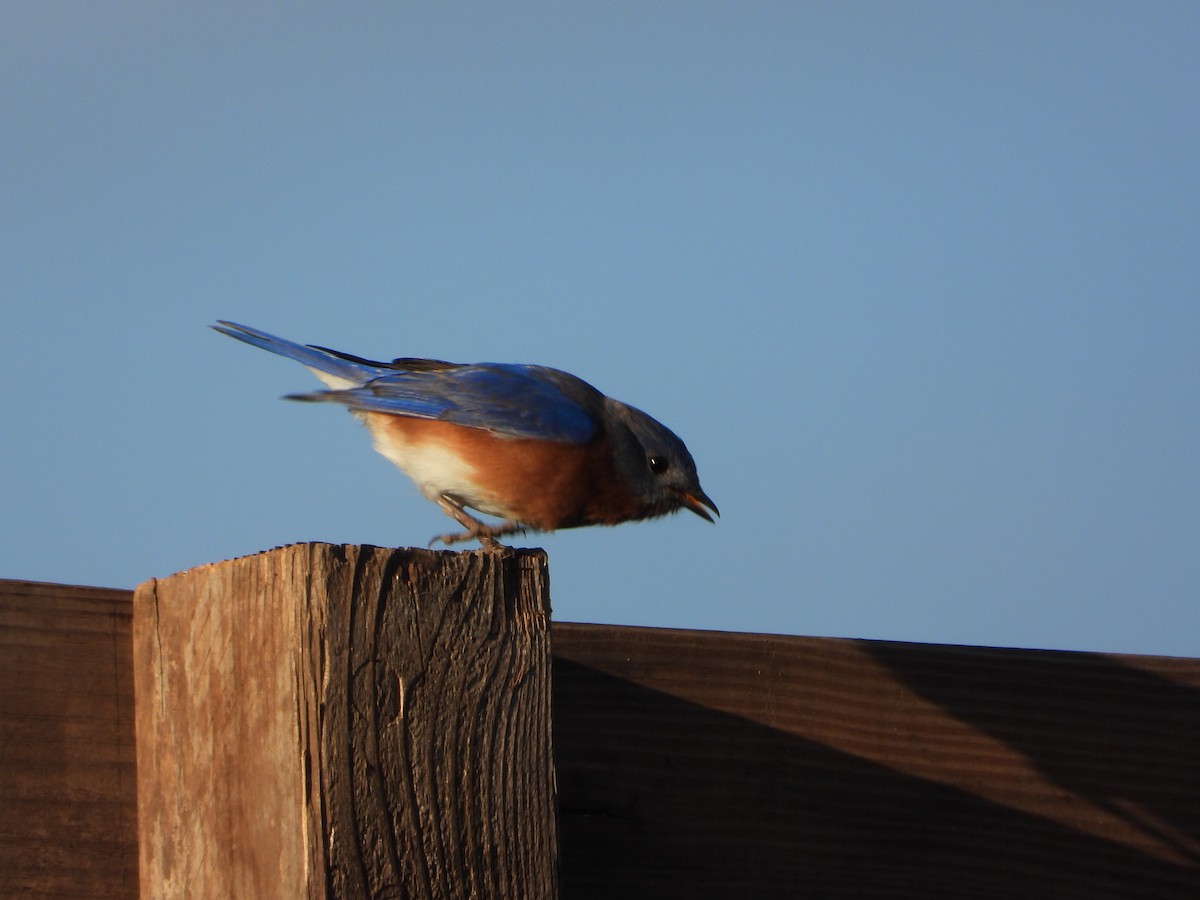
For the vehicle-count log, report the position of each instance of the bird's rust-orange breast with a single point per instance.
(544, 484)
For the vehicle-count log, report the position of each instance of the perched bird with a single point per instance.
(534, 446)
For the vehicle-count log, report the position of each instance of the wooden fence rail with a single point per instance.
(355, 722)
(740, 765)
(68, 780)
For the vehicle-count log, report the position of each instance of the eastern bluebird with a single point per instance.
(536, 447)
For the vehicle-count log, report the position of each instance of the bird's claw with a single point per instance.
(485, 534)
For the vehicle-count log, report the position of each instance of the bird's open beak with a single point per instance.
(698, 502)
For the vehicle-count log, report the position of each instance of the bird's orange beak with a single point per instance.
(698, 502)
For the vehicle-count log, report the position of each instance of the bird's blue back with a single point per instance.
(513, 400)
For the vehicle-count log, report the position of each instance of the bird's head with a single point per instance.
(656, 464)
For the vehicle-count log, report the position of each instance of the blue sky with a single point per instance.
(917, 283)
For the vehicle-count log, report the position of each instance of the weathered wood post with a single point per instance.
(350, 722)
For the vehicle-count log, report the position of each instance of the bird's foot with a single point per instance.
(485, 534)
(476, 530)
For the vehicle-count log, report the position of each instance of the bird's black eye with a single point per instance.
(658, 464)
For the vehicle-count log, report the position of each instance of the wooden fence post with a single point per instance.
(350, 722)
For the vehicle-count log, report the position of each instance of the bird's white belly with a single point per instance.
(435, 469)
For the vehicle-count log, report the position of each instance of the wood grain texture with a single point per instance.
(691, 764)
(696, 764)
(339, 721)
(68, 795)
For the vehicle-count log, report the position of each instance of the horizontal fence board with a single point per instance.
(68, 783)
(702, 764)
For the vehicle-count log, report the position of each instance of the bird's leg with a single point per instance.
(484, 533)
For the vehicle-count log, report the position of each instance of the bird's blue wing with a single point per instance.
(513, 400)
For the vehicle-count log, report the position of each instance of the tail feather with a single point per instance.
(349, 369)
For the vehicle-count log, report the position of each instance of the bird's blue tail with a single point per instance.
(356, 370)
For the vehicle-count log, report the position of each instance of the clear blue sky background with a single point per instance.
(917, 283)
